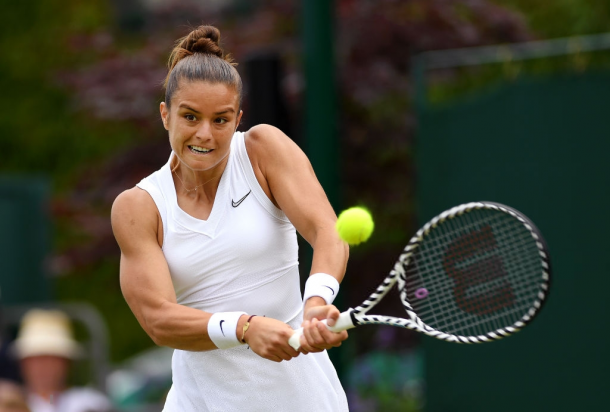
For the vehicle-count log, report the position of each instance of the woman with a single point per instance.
(209, 251)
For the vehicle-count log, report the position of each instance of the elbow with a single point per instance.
(156, 335)
(157, 331)
(157, 339)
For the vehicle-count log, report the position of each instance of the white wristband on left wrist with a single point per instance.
(322, 285)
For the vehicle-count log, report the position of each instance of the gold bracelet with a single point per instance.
(246, 326)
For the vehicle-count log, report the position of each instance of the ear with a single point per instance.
(164, 115)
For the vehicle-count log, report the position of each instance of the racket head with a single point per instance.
(477, 272)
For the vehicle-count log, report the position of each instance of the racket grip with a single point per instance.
(343, 323)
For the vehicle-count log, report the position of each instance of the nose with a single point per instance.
(204, 131)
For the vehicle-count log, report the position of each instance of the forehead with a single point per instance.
(204, 95)
(45, 359)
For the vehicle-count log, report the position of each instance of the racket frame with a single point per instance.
(397, 275)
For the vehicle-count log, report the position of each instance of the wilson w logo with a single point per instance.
(481, 286)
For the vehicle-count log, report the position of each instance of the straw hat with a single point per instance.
(46, 332)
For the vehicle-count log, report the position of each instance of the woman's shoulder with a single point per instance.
(264, 134)
(263, 130)
(133, 198)
(134, 207)
(266, 141)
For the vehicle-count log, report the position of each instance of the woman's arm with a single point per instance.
(287, 177)
(149, 292)
(145, 279)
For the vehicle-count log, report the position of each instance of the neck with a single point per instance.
(48, 394)
(195, 183)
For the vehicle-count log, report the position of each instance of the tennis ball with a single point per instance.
(355, 225)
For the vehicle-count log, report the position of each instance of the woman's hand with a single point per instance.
(316, 336)
(268, 338)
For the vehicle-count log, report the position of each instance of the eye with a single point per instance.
(221, 120)
(190, 117)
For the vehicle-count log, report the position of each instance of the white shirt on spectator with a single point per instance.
(72, 400)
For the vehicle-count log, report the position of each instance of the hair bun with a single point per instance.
(204, 40)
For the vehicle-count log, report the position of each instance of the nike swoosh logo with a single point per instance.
(223, 333)
(331, 289)
(235, 204)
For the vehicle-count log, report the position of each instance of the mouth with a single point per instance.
(200, 150)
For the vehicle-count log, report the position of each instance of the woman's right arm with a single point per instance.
(147, 287)
(145, 280)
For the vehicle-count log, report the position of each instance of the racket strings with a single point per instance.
(509, 301)
(517, 309)
(481, 271)
(480, 304)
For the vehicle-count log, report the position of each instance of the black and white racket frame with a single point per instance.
(359, 316)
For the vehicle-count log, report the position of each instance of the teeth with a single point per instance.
(200, 149)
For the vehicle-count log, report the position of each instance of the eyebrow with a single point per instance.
(186, 106)
(229, 110)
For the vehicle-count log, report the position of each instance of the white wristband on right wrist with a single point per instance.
(322, 285)
(222, 329)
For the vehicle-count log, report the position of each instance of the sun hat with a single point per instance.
(46, 332)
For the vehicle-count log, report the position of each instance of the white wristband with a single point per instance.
(322, 285)
(222, 329)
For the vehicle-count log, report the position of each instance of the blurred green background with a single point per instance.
(79, 123)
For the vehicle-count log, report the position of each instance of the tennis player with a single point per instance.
(209, 251)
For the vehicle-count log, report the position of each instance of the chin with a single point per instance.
(201, 163)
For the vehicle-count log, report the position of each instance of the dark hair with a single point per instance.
(198, 56)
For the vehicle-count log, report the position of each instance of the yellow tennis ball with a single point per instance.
(355, 225)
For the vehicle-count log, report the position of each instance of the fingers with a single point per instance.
(317, 337)
(291, 353)
(332, 316)
(279, 350)
(332, 339)
(282, 356)
(318, 312)
(269, 337)
(329, 312)
(313, 340)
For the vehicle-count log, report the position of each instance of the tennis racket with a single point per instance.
(476, 273)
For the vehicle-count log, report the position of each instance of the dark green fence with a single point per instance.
(541, 146)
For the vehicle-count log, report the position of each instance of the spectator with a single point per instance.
(45, 348)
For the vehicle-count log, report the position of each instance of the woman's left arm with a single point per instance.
(288, 179)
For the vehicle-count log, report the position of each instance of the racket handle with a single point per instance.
(343, 323)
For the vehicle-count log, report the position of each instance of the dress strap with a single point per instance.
(248, 172)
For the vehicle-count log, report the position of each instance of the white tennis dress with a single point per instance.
(243, 258)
